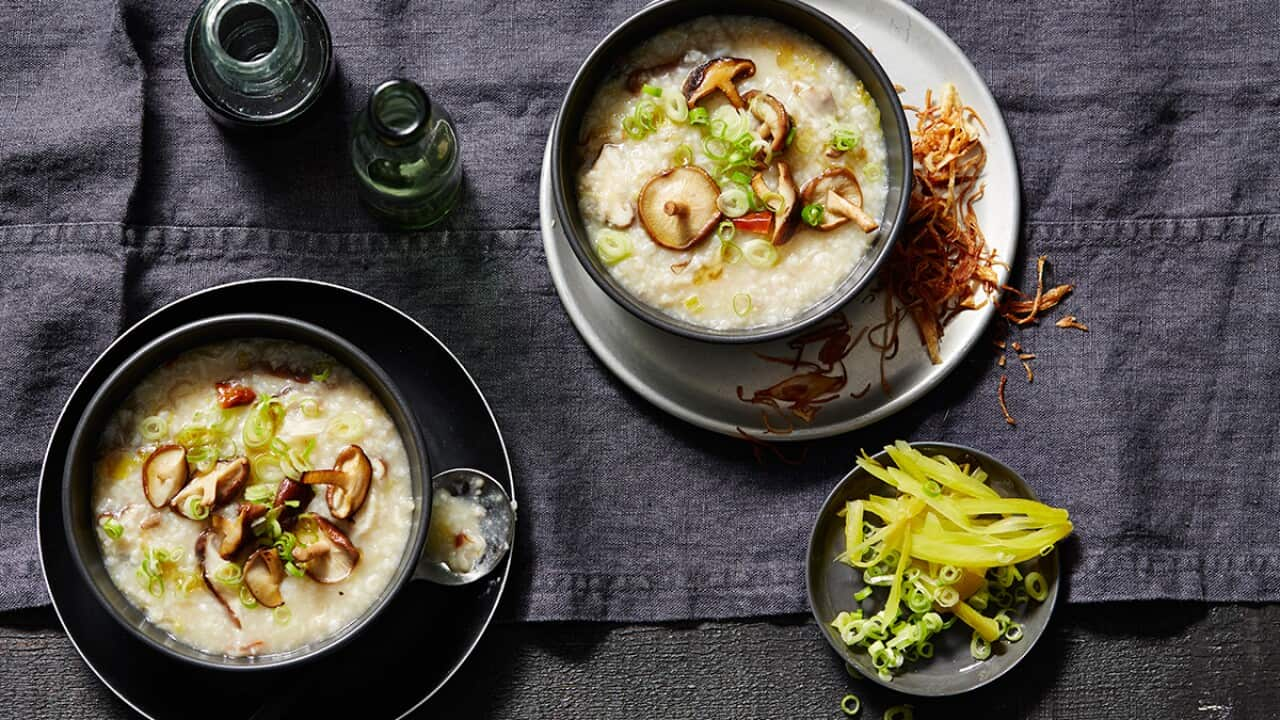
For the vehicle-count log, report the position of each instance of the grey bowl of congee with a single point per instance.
(247, 491)
(731, 176)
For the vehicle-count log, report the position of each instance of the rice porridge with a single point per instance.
(733, 172)
(252, 496)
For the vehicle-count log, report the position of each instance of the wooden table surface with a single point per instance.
(1131, 660)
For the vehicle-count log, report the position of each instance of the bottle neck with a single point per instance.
(255, 46)
(399, 111)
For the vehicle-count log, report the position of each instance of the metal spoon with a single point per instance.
(497, 527)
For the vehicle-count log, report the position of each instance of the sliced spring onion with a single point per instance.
(1036, 586)
(347, 427)
(872, 171)
(730, 253)
(813, 214)
(683, 155)
(725, 231)
(850, 704)
(862, 594)
(293, 569)
(648, 115)
(733, 202)
(773, 201)
(791, 136)
(111, 527)
(196, 510)
(979, 648)
(760, 253)
(229, 574)
(693, 304)
(733, 121)
(742, 304)
(844, 139)
(740, 178)
(899, 712)
(310, 407)
(632, 128)
(652, 90)
(247, 599)
(675, 107)
(202, 457)
(946, 596)
(153, 428)
(260, 424)
(262, 493)
(266, 469)
(282, 615)
(613, 247)
(322, 373)
(949, 574)
(716, 149)
(699, 116)
(1013, 633)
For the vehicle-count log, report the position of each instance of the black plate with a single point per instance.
(952, 670)
(419, 641)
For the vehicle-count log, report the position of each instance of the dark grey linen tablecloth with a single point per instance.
(1147, 135)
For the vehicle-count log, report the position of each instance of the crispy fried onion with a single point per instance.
(942, 261)
(812, 383)
(1026, 312)
(1070, 321)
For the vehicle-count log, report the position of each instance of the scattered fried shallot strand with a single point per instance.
(1004, 408)
(680, 266)
(1031, 377)
(760, 445)
(861, 394)
(812, 384)
(942, 262)
(1070, 321)
(1025, 312)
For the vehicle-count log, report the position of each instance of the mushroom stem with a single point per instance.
(674, 208)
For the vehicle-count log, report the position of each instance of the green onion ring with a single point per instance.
(613, 247)
(1037, 587)
(850, 704)
(742, 304)
(760, 253)
(733, 202)
(153, 428)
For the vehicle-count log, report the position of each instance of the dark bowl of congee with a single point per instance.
(247, 492)
(731, 175)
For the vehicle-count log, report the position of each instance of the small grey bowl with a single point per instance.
(77, 481)
(661, 15)
(952, 670)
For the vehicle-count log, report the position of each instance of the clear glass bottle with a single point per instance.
(405, 155)
(258, 63)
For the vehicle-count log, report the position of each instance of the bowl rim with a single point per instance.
(566, 211)
(987, 461)
(411, 436)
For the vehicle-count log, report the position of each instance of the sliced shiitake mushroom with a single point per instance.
(784, 217)
(837, 190)
(263, 575)
(292, 490)
(214, 489)
(233, 530)
(348, 481)
(775, 123)
(164, 473)
(678, 207)
(718, 74)
(331, 558)
(209, 563)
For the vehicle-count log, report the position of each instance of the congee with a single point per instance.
(252, 496)
(733, 172)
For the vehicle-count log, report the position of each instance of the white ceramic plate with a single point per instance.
(698, 382)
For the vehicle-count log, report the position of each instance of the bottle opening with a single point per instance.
(399, 109)
(248, 31)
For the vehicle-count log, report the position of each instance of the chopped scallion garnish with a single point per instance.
(844, 139)
(850, 704)
(683, 155)
(613, 247)
(653, 90)
(760, 253)
(693, 304)
(699, 116)
(153, 428)
(282, 615)
(742, 304)
(111, 527)
(322, 374)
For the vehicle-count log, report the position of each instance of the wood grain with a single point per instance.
(1140, 660)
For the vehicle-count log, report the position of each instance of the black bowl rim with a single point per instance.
(924, 445)
(565, 215)
(332, 643)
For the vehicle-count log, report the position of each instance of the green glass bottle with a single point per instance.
(258, 63)
(405, 154)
